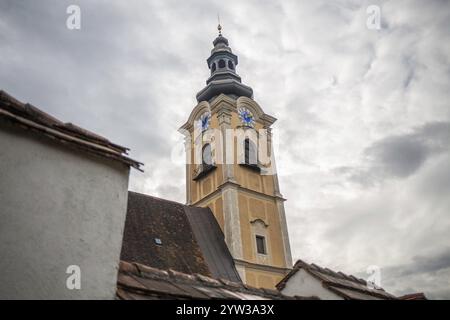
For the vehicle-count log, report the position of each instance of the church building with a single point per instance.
(231, 169)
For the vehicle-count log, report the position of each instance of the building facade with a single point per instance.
(63, 199)
(231, 169)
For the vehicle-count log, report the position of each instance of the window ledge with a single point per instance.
(262, 255)
(253, 167)
(204, 170)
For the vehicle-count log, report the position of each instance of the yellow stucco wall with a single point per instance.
(262, 279)
(256, 201)
(251, 209)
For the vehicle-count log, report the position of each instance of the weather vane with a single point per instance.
(219, 27)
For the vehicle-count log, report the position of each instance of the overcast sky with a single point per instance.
(363, 115)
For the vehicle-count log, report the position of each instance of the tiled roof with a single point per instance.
(346, 286)
(211, 240)
(140, 282)
(414, 296)
(29, 117)
(168, 235)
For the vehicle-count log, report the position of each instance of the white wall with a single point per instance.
(58, 207)
(303, 284)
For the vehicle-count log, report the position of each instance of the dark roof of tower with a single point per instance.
(191, 240)
(220, 40)
(224, 79)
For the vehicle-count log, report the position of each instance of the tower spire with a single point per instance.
(224, 79)
(219, 27)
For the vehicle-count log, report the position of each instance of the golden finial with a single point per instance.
(219, 27)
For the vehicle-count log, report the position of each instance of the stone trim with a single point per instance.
(233, 184)
(262, 267)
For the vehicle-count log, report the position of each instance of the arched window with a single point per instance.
(207, 164)
(251, 156)
(230, 65)
(206, 155)
(213, 67)
(221, 63)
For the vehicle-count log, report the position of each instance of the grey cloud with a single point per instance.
(426, 270)
(399, 156)
(132, 71)
(421, 264)
(431, 264)
(435, 285)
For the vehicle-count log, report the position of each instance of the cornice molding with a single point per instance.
(223, 102)
(262, 266)
(200, 108)
(234, 184)
(260, 116)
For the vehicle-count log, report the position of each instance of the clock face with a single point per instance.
(246, 117)
(204, 121)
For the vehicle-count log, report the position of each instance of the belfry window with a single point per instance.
(221, 63)
(251, 157)
(207, 164)
(230, 65)
(213, 67)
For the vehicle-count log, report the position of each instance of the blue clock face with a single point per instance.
(246, 117)
(204, 121)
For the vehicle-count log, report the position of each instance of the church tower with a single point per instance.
(231, 169)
